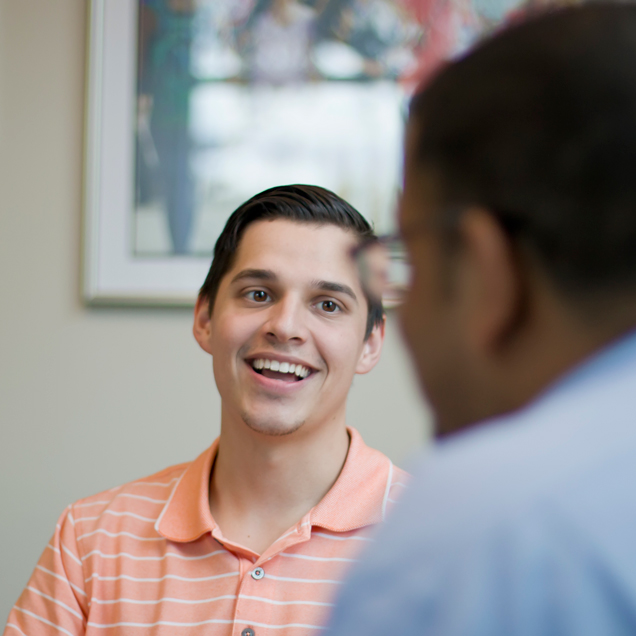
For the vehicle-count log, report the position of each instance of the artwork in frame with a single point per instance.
(194, 106)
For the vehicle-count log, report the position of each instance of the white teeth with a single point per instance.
(282, 367)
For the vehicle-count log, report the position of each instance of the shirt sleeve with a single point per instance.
(54, 600)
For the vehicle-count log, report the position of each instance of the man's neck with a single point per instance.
(555, 340)
(261, 485)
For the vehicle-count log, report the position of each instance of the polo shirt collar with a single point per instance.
(357, 498)
(186, 515)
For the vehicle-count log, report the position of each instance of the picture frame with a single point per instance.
(111, 274)
(261, 131)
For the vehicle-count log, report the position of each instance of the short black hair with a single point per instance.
(301, 203)
(538, 125)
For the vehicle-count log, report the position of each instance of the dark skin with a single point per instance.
(487, 328)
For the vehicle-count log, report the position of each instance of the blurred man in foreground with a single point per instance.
(519, 215)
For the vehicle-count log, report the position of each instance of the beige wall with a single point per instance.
(92, 398)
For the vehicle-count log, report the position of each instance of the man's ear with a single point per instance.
(490, 281)
(372, 349)
(202, 327)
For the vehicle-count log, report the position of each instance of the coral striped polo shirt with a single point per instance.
(147, 557)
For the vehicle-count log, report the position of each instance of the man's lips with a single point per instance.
(274, 382)
(279, 370)
(276, 375)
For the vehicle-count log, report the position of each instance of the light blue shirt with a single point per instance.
(522, 526)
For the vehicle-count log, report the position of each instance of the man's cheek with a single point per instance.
(406, 314)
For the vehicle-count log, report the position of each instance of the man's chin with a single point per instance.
(272, 427)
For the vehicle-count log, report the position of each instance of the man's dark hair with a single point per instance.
(538, 125)
(301, 203)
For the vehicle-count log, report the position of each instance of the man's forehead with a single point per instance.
(289, 243)
(421, 196)
(411, 136)
(423, 182)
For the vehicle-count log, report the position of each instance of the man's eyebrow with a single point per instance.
(338, 288)
(258, 274)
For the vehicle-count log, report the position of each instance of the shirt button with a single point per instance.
(257, 574)
(248, 631)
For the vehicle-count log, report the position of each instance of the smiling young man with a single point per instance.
(252, 537)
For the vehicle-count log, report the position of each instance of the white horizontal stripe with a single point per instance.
(252, 623)
(334, 538)
(166, 576)
(287, 578)
(71, 554)
(50, 598)
(57, 576)
(211, 621)
(117, 514)
(313, 558)
(123, 494)
(398, 483)
(16, 628)
(166, 599)
(119, 534)
(391, 500)
(94, 503)
(43, 620)
(153, 558)
(52, 547)
(273, 602)
(143, 498)
(155, 483)
(70, 518)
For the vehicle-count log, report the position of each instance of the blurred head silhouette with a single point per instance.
(519, 210)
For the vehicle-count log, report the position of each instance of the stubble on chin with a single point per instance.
(268, 427)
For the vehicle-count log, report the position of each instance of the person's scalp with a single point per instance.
(537, 125)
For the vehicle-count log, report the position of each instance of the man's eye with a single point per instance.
(258, 296)
(329, 306)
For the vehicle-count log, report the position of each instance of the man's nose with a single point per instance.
(287, 321)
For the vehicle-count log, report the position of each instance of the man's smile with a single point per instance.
(281, 370)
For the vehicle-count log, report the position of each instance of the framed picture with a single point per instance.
(194, 106)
